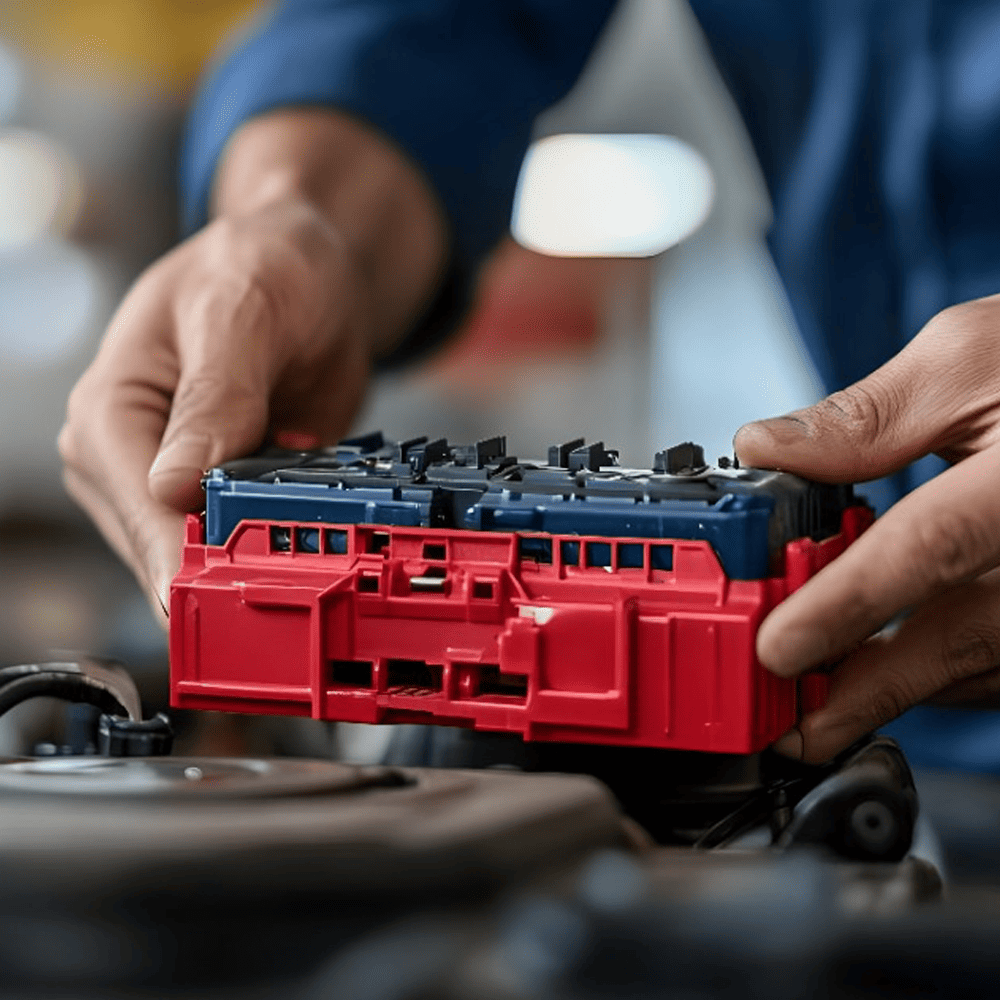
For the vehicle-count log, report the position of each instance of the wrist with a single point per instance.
(377, 202)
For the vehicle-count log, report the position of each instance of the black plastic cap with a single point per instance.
(480, 454)
(365, 442)
(424, 455)
(592, 457)
(120, 737)
(559, 453)
(682, 458)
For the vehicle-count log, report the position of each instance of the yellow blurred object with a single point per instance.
(161, 42)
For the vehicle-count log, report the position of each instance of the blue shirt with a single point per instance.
(876, 124)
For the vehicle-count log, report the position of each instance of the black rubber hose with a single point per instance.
(8, 674)
(66, 686)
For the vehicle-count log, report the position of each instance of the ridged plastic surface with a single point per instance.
(627, 641)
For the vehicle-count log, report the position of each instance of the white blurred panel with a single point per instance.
(610, 195)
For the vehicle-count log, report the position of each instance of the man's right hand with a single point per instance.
(264, 323)
(931, 563)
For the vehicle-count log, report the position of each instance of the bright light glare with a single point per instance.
(40, 188)
(610, 195)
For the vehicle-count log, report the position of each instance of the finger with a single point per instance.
(849, 437)
(111, 487)
(981, 693)
(163, 548)
(868, 430)
(938, 395)
(219, 410)
(115, 418)
(941, 535)
(951, 643)
(108, 462)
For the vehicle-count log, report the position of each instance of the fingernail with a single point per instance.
(163, 595)
(789, 745)
(175, 475)
(181, 456)
(157, 606)
(787, 429)
(165, 561)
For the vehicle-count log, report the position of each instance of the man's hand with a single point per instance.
(935, 554)
(325, 246)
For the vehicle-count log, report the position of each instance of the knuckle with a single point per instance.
(263, 280)
(198, 390)
(235, 301)
(862, 411)
(865, 615)
(230, 242)
(80, 408)
(812, 729)
(66, 445)
(948, 319)
(819, 739)
(949, 549)
(963, 318)
(970, 651)
(213, 395)
(887, 702)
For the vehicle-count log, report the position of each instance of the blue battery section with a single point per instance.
(737, 527)
(229, 501)
(748, 516)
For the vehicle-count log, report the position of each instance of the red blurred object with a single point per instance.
(453, 627)
(530, 306)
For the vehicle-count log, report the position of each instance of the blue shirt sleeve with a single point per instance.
(456, 84)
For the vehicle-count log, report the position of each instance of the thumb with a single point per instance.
(213, 418)
(870, 429)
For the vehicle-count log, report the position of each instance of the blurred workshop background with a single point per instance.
(602, 340)
(656, 318)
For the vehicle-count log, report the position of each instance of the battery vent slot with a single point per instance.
(412, 677)
(351, 673)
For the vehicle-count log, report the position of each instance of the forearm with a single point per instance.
(455, 84)
(373, 197)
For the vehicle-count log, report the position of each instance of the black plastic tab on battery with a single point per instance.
(682, 459)
(593, 457)
(559, 453)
